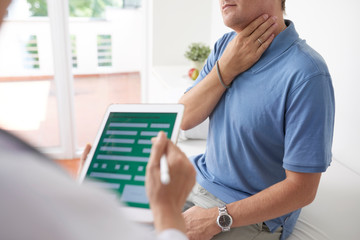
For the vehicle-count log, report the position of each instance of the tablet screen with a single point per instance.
(121, 155)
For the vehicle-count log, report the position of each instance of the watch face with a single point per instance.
(224, 220)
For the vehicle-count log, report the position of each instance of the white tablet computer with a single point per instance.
(119, 155)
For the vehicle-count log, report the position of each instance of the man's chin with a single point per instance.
(235, 25)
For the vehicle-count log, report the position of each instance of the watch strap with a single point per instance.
(223, 212)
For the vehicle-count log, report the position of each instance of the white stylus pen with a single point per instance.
(164, 171)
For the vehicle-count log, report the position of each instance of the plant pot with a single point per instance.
(198, 65)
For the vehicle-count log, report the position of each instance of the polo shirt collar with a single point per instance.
(279, 45)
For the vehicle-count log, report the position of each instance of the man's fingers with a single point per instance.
(85, 153)
(265, 45)
(264, 30)
(84, 156)
(254, 25)
(158, 149)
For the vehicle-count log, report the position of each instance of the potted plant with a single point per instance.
(197, 53)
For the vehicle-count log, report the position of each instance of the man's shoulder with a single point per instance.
(307, 59)
(221, 44)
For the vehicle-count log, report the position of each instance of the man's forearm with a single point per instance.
(201, 100)
(275, 201)
(284, 197)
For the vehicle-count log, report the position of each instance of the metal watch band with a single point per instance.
(223, 213)
(222, 209)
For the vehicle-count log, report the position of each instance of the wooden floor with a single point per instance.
(92, 95)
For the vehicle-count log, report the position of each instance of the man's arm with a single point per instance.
(240, 54)
(296, 191)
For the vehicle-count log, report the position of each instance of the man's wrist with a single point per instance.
(213, 226)
(226, 76)
(226, 86)
(224, 220)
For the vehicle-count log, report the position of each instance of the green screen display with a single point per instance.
(121, 156)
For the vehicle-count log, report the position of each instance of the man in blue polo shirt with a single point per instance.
(270, 102)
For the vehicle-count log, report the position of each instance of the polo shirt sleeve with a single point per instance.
(309, 123)
(210, 62)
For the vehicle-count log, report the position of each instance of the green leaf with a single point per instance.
(197, 52)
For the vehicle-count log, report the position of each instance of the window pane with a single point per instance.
(108, 39)
(28, 104)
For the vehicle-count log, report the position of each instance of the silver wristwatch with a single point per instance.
(224, 220)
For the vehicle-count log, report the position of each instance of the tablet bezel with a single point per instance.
(134, 213)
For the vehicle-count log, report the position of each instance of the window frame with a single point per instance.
(58, 13)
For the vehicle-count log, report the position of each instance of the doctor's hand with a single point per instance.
(247, 47)
(167, 201)
(83, 157)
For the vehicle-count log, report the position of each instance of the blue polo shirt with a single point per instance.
(277, 115)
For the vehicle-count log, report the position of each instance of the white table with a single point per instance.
(168, 83)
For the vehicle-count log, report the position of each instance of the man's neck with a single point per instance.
(280, 25)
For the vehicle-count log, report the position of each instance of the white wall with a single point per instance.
(331, 27)
(14, 36)
(126, 29)
(176, 24)
(217, 27)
